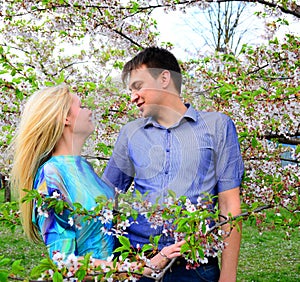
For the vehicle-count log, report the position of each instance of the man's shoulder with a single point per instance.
(134, 124)
(212, 116)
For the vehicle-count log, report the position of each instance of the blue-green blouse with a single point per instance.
(76, 179)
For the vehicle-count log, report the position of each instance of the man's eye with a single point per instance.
(138, 86)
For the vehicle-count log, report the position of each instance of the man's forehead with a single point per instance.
(140, 70)
(138, 74)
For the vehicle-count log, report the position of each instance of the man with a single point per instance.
(174, 147)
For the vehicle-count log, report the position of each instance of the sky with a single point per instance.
(183, 30)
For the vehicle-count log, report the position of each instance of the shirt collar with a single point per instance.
(190, 114)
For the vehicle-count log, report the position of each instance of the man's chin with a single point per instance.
(143, 112)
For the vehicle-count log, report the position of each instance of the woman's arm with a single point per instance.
(159, 261)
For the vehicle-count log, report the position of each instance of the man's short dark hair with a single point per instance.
(156, 60)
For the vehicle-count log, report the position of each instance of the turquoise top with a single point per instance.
(75, 179)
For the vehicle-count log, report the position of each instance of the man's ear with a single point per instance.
(165, 78)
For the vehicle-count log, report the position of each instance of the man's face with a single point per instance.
(146, 91)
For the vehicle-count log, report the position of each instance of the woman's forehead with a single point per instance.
(75, 98)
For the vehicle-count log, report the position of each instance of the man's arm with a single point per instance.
(119, 171)
(229, 202)
(115, 177)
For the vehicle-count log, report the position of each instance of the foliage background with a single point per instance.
(265, 256)
(85, 44)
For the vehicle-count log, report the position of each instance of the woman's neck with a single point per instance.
(68, 146)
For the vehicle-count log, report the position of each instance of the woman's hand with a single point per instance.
(166, 254)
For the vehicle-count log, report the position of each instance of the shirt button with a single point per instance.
(166, 172)
(168, 150)
(168, 130)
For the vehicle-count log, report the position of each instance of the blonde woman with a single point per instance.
(48, 144)
(47, 148)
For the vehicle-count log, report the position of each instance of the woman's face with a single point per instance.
(80, 118)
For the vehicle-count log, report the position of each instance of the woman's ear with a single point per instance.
(67, 122)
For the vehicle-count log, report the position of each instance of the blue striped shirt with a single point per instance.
(198, 154)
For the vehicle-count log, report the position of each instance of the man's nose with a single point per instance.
(134, 96)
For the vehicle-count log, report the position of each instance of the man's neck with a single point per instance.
(170, 116)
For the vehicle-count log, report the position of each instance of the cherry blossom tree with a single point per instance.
(85, 44)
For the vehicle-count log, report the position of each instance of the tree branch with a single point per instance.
(266, 65)
(244, 214)
(294, 140)
(293, 10)
(95, 157)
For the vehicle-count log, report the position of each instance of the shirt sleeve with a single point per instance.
(56, 232)
(119, 172)
(229, 163)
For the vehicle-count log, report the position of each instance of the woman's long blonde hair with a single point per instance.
(41, 126)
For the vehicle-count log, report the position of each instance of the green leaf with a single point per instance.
(61, 78)
(185, 247)
(59, 207)
(124, 241)
(78, 205)
(80, 274)
(254, 142)
(146, 248)
(57, 277)
(120, 249)
(192, 239)
(134, 8)
(200, 252)
(91, 86)
(49, 83)
(4, 261)
(19, 94)
(3, 275)
(16, 267)
(156, 239)
(172, 194)
(103, 148)
(134, 214)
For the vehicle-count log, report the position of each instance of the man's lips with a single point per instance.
(139, 105)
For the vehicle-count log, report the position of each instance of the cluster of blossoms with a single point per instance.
(276, 186)
(10, 215)
(196, 223)
(67, 267)
(180, 218)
